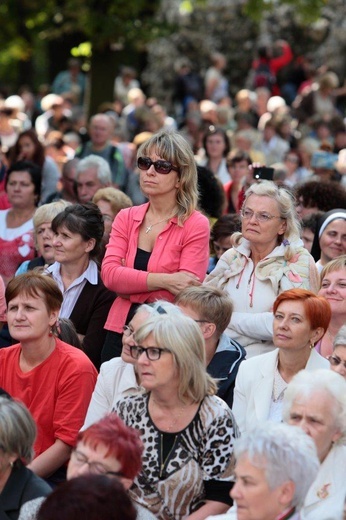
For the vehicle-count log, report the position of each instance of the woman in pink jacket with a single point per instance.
(159, 248)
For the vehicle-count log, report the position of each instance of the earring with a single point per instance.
(11, 464)
(50, 334)
(312, 345)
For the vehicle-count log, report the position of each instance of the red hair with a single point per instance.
(122, 442)
(317, 308)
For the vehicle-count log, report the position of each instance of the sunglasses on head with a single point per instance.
(160, 166)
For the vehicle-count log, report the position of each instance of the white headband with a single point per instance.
(333, 216)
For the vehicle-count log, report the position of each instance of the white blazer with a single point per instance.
(254, 385)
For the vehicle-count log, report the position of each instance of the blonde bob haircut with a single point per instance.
(17, 430)
(173, 147)
(48, 212)
(286, 207)
(338, 264)
(117, 199)
(183, 338)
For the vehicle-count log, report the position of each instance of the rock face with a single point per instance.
(222, 26)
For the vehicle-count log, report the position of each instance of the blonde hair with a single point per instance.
(334, 265)
(184, 339)
(117, 199)
(172, 147)
(48, 212)
(285, 202)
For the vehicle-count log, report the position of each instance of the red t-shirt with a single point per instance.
(57, 392)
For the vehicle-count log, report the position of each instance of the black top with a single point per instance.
(23, 485)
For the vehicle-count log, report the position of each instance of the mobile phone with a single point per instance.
(263, 173)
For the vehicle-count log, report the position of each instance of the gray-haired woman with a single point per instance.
(316, 402)
(267, 258)
(18, 484)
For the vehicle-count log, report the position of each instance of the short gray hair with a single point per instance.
(340, 338)
(306, 383)
(103, 170)
(285, 453)
(17, 429)
(184, 339)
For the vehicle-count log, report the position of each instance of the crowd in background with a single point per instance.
(175, 286)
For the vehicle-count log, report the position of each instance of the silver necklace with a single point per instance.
(148, 228)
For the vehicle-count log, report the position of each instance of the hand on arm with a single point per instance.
(174, 283)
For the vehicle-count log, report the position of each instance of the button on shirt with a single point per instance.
(72, 293)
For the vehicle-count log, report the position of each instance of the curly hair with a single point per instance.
(322, 195)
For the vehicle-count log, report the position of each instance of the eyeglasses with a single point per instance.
(247, 214)
(336, 361)
(128, 331)
(97, 468)
(152, 353)
(160, 166)
(201, 321)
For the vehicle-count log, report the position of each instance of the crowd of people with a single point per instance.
(173, 299)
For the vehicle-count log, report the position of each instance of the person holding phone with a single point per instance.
(267, 257)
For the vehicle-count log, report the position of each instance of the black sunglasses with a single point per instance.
(160, 166)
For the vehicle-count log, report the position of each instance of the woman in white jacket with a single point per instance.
(300, 320)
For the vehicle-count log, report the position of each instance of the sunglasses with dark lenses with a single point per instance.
(160, 166)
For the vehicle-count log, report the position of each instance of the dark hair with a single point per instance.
(211, 195)
(323, 195)
(310, 221)
(225, 226)
(67, 332)
(33, 170)
(238, 157)
(84, 219)
(212, 130)
(89, 497)
(39, 153)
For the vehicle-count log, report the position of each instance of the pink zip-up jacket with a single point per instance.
(177, 248)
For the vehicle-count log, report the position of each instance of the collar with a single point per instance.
(90, 274)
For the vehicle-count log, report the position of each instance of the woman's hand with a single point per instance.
(174, 283)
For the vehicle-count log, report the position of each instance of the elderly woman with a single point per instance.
(316, 402)
(158, 248)
(330, 237)
(276, 464)
(181, 422)
(337, 360)
(53, 379)
(300, 320)
(119, 377)
(333, 289)
(18, 484)
(267, 258)
(78, 232)
(43, 235)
